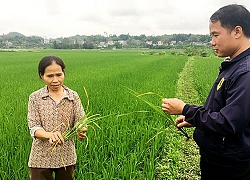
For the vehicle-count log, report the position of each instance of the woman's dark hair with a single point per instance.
(231, 16)
(46, 61)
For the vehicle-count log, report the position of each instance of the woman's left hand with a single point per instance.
(82, 135)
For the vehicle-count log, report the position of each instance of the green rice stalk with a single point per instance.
(158, 110)
(155, 135)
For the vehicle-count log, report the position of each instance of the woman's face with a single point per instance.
(53, 77)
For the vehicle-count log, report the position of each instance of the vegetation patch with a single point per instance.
(121, 148)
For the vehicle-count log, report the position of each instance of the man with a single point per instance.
(222, 125)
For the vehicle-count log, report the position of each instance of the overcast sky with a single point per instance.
(64, 18)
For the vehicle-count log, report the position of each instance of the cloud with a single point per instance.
(63, 18)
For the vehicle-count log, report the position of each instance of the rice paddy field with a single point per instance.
(121, 149)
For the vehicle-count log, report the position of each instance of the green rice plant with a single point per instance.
(203, 82)
(119, 150)
(158, 110)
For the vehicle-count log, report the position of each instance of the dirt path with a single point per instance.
(185, 85)
(180, 160)
(187, 92)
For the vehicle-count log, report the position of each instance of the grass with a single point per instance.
(120, 149)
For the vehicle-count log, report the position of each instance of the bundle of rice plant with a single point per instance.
(80, 126)
(87, 121)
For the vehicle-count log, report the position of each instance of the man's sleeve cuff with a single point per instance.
(185, 109)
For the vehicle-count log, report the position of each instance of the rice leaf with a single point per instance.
(158, 110)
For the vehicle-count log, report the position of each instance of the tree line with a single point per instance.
(15, 40)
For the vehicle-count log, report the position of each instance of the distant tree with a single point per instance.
(17, 40)
(88, 45)
(180, 37)
(205, 38)
(113, 37)
(124, 37)
(54, 44)
(193, 38)
(117, 45)
(1, 42)
(76, 45)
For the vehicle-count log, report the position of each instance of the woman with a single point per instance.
(51, 110)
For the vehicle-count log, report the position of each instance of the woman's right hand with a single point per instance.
(56, 137)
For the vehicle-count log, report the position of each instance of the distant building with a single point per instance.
(102, 44)
(172, 43)
(46, 41)
(110, 42)
(123, 42)
(159, 43)
(8, 43)
(196, 43)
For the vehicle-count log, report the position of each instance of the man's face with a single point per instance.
(223, 41)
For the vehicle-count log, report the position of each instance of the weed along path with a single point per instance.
(180, 159)
(185, 85)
